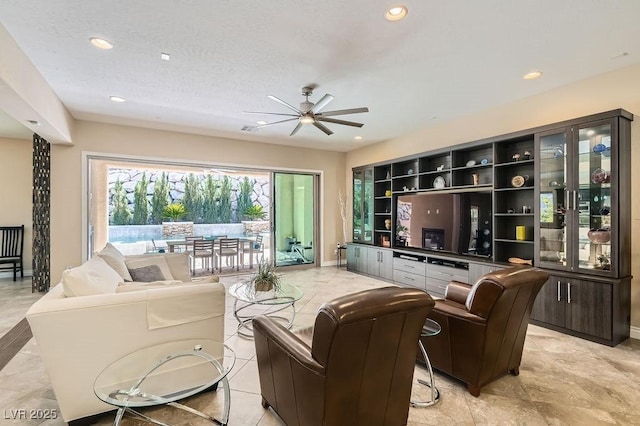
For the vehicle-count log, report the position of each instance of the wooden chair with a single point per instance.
(201, 249)
(229, 249)
(11, 247)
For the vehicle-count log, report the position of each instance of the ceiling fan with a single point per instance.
(310, 113)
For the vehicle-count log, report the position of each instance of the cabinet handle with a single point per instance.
(575, 200)
(559, 293)
(409, 278)
(566, 200)
(568, 292)
(379, 257)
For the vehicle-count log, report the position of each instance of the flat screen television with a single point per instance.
(448, 222)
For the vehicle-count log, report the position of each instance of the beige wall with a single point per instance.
(606, 92)
(67, 175)
(16, 179)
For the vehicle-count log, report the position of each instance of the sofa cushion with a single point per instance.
(147, 274)
(178, 263)
(94, 276)
(137, 286)
(115, 259)
(158, 260)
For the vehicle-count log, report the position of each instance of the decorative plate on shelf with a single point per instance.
(439, 182)
(518, 181)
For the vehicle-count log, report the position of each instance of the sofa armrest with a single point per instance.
(457, 292)
(288, 342)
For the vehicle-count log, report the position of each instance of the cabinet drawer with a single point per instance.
(410, 266)
(436, 287)
(447, 274)
(407, 278)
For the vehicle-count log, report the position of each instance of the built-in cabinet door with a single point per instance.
(386, 264)
(550, 305)
(351, 258)
(362, 259)
(373, 261)
(589, 307)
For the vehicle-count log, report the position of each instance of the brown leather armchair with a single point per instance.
(359, 368)
(484, 326)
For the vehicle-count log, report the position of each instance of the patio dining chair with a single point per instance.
(190, 239)
(202, 249)
(11, 247)
(229, 249)
(257, 249)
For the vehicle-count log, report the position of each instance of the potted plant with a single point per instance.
(174, 212)
(266, 278)
(255, 212)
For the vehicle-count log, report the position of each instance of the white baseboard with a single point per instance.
(634, 332)
(10, 274)
(329, 263)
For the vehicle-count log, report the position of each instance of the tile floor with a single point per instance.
(563, 380)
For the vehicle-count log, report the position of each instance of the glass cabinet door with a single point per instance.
(554, 178)
(363, 205)
(358, 177)
(367, 206)
(594, 215)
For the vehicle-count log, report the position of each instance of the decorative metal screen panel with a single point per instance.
(41, 214)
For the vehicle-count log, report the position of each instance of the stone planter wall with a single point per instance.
(255, 226)
(176, 229)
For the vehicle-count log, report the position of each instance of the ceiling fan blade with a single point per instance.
(336, 121)
(296, 129)
(277, 122)
(269, 113)
(345, 111)
(323, 128)
(321, 103)
(280, 101)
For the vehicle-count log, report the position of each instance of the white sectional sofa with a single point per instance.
(85, 323)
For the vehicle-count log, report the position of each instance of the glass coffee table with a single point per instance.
(429, 329)
(248, 300)
(164, 374)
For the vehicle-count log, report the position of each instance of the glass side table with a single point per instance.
(164, 374)
(430, 329)
(272, 302)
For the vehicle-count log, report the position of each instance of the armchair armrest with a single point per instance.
(288, 342)
(457, 292)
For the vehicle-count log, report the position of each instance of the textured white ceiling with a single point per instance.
(446, 59)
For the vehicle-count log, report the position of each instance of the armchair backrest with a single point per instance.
(504, 299)
(367, 342)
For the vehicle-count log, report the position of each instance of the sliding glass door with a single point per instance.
(294, 218)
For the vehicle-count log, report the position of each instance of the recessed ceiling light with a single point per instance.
(532, 75)
(165, 56)
(34, 122)
(101, 43)
(395, 13)
(117, 99)
(261, 122)
(357, 138)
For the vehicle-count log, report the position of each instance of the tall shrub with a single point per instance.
(140, 202)
(121, 214)
(160, 199)
(225, 200)
(192, 198)
(210, 200)
(244, 198)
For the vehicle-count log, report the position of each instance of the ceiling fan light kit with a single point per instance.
(310, 113)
